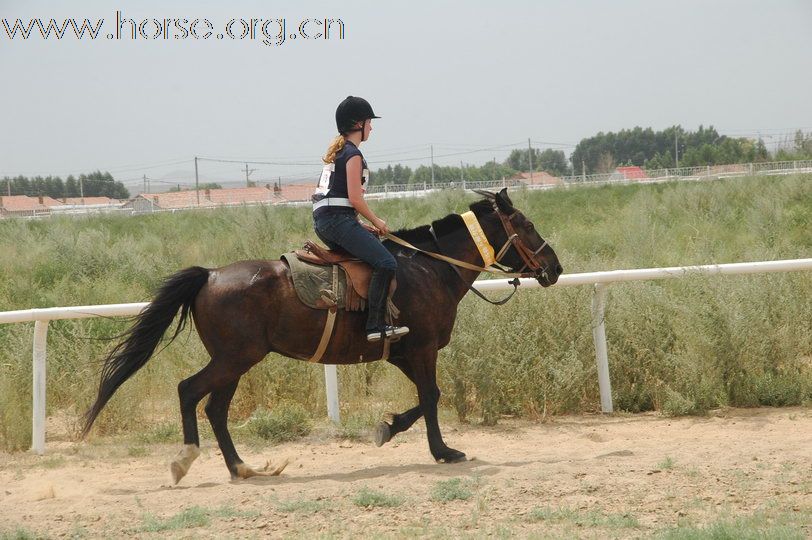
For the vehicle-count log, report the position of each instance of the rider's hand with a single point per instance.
(370, 228)
(381, 226)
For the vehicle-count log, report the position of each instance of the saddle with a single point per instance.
(358, 273)
(321, 288)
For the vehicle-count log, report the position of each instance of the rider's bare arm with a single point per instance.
(356, 194)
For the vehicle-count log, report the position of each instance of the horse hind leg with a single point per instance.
(217, 412)
(190, 392)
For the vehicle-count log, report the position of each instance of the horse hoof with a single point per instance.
(454, 456)
(178, 472)
(383, 434)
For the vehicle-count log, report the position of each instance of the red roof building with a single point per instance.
(632, 173)
(23, 205)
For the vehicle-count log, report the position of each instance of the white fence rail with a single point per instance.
(600, 281)
(384, 191)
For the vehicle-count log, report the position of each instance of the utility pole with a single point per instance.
(583, 171)
(81, 187)
(197, 183)
(8, 185)
(461, 177)
(247, 174)
(676, 149)
(145, 184)
(530, 157)
(432, 166)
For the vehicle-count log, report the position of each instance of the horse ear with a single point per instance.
(503, 202)
(487, 194)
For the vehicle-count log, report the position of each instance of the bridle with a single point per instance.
(527, 255)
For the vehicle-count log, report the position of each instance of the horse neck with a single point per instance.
(459, 245)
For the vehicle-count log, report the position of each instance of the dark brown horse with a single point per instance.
(247, 309)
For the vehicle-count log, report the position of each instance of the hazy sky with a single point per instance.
(462, 76)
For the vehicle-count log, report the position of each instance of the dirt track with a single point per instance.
(622, 476)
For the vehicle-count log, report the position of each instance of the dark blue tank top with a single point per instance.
(338, 178)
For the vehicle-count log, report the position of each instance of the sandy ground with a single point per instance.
(586, 476)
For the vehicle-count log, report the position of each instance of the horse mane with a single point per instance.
(451, 222)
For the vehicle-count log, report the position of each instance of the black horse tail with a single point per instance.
(177, 292)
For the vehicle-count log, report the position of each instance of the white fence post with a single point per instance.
(331, 387)
(601, 354)
(38, 391)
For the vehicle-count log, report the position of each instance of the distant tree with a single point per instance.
(71, 187)
(99, 184)
(398, 174)
(552, 161)
(656, 150)
(606, 163)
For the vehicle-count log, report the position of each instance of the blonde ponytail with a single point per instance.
(334, 148)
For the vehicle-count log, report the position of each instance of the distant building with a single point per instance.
(23, 205)
(629, 173)
(207, 198)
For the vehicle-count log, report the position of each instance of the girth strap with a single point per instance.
(330, 298)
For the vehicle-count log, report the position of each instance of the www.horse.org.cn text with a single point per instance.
(272, 32)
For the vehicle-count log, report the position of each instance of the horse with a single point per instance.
(248, 309)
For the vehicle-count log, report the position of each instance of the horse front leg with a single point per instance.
(398, 423)
(424, 368)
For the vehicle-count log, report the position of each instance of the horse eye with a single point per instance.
(528, 226)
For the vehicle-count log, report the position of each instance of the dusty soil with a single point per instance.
(587, 476)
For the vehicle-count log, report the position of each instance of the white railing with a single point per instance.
(600, 281)
(421, 189)
(40, 318)
(656, 175)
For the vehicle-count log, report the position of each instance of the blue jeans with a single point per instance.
(342, 229)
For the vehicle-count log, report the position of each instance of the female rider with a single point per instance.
(339, 199)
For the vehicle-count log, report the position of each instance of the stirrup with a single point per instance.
(387, 332)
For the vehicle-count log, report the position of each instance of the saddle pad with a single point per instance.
(310, 279)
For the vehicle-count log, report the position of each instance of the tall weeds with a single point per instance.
(679, 346)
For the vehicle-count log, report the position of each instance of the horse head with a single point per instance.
(528, 252)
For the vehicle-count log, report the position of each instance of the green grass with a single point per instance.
(162, 432)
(667, 463)
(676, 346)
(20, 533)
(455, 489)
(357, 426)
(194, 516)
(53, 462)
(592, 518)
(736, 529)
(301, 506)
(286, 422)
(138, 451)
(369, 498)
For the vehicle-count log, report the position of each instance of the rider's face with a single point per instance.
(367, 129)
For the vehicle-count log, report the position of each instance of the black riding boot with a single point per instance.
(377, 328)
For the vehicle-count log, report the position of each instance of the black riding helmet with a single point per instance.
(351, 110)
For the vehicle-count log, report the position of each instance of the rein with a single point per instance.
(513, 239)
